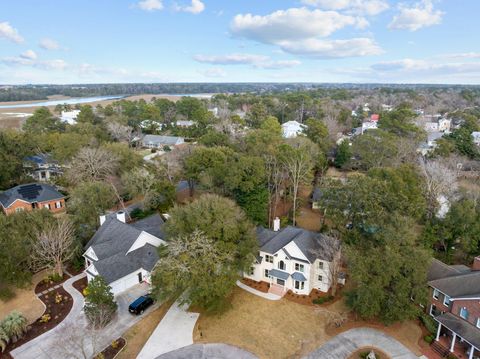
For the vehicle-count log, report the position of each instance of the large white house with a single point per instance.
(124, 254)
(293, 259)
(292, 129)
(69, 117)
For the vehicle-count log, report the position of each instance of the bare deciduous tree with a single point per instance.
(120, 132)
(92, 163)
(331, 248)
(275, 180)
(440, 180)
(54, 246)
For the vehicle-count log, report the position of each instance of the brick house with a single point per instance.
(455, 306)
(29, 197)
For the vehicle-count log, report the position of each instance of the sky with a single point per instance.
(359, 41)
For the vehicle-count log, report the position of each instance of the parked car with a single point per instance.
(140, 304)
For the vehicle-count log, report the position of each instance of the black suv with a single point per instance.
(140, 304)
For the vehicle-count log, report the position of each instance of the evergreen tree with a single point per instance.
(100, 305)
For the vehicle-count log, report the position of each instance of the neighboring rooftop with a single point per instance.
(162, 140)
(455, 281)
(31, 193)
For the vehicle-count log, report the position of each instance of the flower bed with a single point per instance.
(58, 304)
(112, 350)
(260, 286)
(50, 282)
(315, 295)
(80, 284)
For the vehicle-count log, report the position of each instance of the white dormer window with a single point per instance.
(436, 294)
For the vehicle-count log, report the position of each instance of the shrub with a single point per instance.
(4, 339)
(429, 323)
(428, 339)
(85, 291)
(322, 300)
(6, 294)
(45, 318)
(100, 356)
(14, 325)
(58, 298)
(114, 344)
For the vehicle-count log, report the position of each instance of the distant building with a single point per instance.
(375, 117)
(369, 125)
(42, 167)
(444, 124)
(184, 123)
(69, 117)
(431, 127)
(476, 137)
(155, 141)
(29, 197)
(387, 108)
(292, 129)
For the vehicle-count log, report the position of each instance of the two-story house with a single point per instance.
(124, 254)
(29, 197)
(294, 259)
(42, 167)
(455, 306)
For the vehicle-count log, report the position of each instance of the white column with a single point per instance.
(452, 346)
(438, 332)
(472, 350)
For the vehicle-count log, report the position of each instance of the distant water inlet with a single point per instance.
(68, 101)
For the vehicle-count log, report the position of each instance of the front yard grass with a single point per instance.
(284, 329)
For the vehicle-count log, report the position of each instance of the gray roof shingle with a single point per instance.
(31, 193)
(162, 140)
(467, 284)
(299, 277)
(463, 328)
(278, 274)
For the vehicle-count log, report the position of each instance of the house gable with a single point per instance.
(90, 253)
(294, 252)
(143, 239)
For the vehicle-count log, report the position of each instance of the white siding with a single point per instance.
(143, 239)
(128, 281)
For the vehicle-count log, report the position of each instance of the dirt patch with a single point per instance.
(58, 304)
(47, 283)
(113, 349)
(378, 353)
(260, 286)
(80, 284)
(138, 335)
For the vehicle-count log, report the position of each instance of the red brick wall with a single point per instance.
(473, 307)
(28, 207)
(438, 302)
(476, 264)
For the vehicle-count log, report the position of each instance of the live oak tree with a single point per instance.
(100, 305)
(210, 243)
(42, 121)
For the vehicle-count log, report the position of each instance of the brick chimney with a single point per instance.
(476, 264)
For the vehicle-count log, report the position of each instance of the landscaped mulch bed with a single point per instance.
(80, 284)
(260, 286)
(45, 285)
(110, 352)
(308, 299)
(378, 353)
(74, 271)
(57, 311)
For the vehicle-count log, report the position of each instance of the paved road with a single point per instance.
(173, 332)
(344, 344)
(214, 351)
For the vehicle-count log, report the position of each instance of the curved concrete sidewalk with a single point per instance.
(269, 296)
(344, 344)
(173, 332)
(40, 347)
(217, 351)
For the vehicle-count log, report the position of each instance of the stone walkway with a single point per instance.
(173, 332)
(269, 296)
(344, 344)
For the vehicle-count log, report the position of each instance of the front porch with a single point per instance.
(451, 342)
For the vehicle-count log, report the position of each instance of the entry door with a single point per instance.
(140, 277)
(280, 281)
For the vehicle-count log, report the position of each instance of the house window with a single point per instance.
(299, 285)
(266, 273)
(464, 313)
(436, 294)
(47, 206)
(281, 265)
(478, 323)
(320, 278)
(58, 204)
(320, 265)
(19, 209)
(299, 267)
(252, 271)
(446, 301)
(268, 259)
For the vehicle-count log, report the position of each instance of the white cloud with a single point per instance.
(150, 5)
(49, 44)
(463, 55)
(257, 61)
(10, 33)
(196, 7)
(29, 54)
(301, 31)
(421, 14)
(360, 7)
(333, 48)
(215, 72)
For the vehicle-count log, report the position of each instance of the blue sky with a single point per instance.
(97, 41)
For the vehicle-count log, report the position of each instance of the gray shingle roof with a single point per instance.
(162, 140)
(313, 245)
(114, 238)
(466, 284)
(463, 328)
(278, 274)
(37, 192)
(438, 270)
(299, 277)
